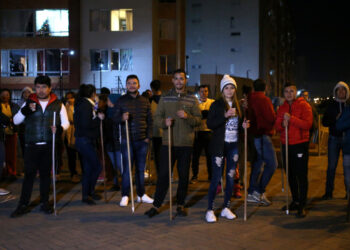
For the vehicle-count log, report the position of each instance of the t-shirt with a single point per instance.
(231, 131)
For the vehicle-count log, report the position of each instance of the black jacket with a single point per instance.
(329, 119)
(85, 124)
(140, 116)
(216, 121)
(4, 122)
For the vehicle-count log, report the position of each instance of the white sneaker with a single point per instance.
(210, 216)
(227, 213)
(4, 192)
(145, 199)
(124, 202)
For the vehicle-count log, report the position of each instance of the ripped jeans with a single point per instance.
(218, 164)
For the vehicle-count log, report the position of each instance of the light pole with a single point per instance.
(100, 64)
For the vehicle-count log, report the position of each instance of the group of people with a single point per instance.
(186, 124)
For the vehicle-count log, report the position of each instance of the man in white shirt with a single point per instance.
(38, 114)
(202, 135)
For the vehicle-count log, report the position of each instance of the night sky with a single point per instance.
(323, 39)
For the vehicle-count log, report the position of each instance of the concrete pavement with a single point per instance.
(108, 226)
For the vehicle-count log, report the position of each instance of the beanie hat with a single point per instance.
(227, 80)
(341, 84)
(27, 88)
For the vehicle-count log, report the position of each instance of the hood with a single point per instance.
(341, 84)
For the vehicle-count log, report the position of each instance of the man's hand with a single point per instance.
(286, 119)
(54, 129)
(230, 113)
(28, 109)
(101, 115)
(125, 116)
(182, 114)
(168, 121)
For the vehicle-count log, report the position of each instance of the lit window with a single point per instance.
(52, 23)
(121, 20)
(126, 60)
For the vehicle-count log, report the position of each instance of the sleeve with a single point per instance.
(215, 117)
(19, 117)
(329, 117)
(268, 112)
(149, 121)
(4, 120)
(117, 112)
(159, 116)
(64, 118)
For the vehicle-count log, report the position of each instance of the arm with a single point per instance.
(216, 118)
(149, 121)
(64, 118)
(194, 117)
(19, 116)
(4, 120)
(159, 116)
(278, 123)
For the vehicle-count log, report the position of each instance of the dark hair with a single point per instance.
(69, 93)
(180, 71)
(259, 85)
(203, 86)
(43, 80)
(289, 84)
(86, 90)
(146, 93)
(105, 91)
(155, 84)
(132, 77)
(246, 89)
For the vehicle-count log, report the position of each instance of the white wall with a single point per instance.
(212, 36)
(139, 40)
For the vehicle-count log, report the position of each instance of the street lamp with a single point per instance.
(100, 64)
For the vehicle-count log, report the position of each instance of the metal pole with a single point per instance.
(170, 184)
(129, 161)
(287, 171)
(103, 162)
(245, 172)
(319, 134)
(53, 164)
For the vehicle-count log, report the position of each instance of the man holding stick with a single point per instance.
(179, 110)
(38, 114)
(136, 110)
(296, 115)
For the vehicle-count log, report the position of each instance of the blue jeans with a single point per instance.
(116, 160)
(346, 164)
(265, 155)
(91, 164)
(218, 163)
(335, 144)
(138, 154)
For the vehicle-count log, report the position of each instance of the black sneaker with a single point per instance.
(46, 208)
(152, 212)
(301, 212)
(96, 197)
(293, 206)
(327, 197)
(89, 201)
(194, 180)
(181, 211)
(20, 210)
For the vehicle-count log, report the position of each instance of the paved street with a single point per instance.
(108, 226)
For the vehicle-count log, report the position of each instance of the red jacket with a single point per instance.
(261, 114)
(299, 124)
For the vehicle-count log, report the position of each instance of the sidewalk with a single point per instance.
(108, 226)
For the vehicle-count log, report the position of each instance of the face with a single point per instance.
(26, 94)
(179, 81)
(306, 95)
(132, 85)
(70, 99)
(228, 91)
(42, 91)
(341, 93)
(290, 93)
(203, 93)
(5, 96)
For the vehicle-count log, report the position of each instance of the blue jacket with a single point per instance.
(343, 125)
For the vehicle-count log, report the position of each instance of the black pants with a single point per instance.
(36, 157)
(72, 159)
(183, 157)
(157, 144)
(298, 156)
(201, 141)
